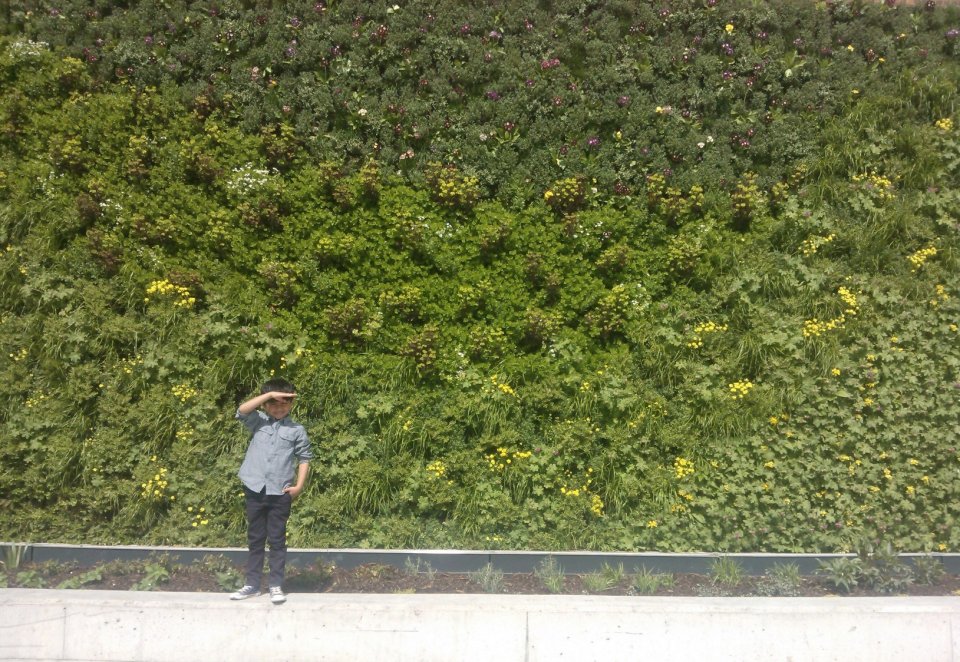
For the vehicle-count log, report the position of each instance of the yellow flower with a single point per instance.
(835, 372)
(729, 28)
(652, 524)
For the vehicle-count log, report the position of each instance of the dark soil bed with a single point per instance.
(216, 575)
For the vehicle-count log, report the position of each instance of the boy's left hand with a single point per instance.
(293, 491)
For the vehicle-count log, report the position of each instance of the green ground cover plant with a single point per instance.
(602, 275)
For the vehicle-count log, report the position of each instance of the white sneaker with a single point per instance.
(244, 593)
(276, 595)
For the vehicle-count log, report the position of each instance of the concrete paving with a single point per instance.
(41, 624)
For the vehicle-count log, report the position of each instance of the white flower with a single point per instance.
(28, 48)
(362, 112)
(248, 178)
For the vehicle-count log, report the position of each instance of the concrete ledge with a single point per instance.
(38, 624)
(450, 560)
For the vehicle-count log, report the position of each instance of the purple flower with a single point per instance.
(294, 22)
(148, 40)
(495, 34)
(952, 34)
(727, 74)
(727, 49)
(464, 29)
(493, 95)
(623, 101)
(593, 142)
(529, 82)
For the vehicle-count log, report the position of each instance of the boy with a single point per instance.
(267, 473)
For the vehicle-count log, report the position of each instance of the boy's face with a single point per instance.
(278, 408)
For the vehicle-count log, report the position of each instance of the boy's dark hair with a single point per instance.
(281, 385)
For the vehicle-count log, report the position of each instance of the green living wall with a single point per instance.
(547, 275)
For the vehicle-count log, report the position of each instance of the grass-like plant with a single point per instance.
(645, 581)
(13, 556)
(551, 575)
(488, 578)
(727, 572)
(604, 579)
(419, 566)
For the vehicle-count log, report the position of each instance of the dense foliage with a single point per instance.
(611, 275)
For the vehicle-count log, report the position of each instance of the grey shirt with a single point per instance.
(274, 446)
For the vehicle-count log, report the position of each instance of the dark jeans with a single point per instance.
(267, 516)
